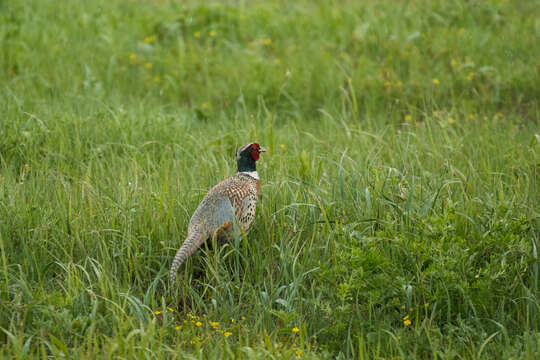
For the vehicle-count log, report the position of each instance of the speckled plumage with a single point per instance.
(232, 200)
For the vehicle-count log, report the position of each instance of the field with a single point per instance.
(399, 215)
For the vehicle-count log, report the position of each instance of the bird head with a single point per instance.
(247, 155)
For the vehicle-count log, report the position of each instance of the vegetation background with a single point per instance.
(399, 215)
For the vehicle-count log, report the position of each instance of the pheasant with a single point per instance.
(233, 199)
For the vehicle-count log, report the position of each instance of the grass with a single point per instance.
(399, 214)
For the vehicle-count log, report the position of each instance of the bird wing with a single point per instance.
(214, 211)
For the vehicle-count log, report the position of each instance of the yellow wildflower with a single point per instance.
(387, 83)
(451, 121)
(470, 76)
(232, 320)
(198, 324)
(500, 114)
(436, 81)
(453, 62)
(227, 334)
(471, 116)
(148, 66)
(408, 117)
(157, 79)
(267, 41)
(157, 312)
(214, 324)
(295, 330)
(399, 337)
(405, 317)
(212, 33)
(399, 84)
(197, 34)
(170, 309)
(407, 322)
(149, 39)
(178, 327)
(298, 352)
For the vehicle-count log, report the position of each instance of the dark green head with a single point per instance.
(247, 155)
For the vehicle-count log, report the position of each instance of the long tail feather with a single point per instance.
(193, 241)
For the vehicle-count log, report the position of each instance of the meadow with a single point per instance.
(399, 215)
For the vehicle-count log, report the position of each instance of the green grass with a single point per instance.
(399, 215)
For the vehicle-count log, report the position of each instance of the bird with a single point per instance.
(231, 201)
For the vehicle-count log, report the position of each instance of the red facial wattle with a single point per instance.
(254, 151)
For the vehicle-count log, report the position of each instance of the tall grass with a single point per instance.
(399, 214)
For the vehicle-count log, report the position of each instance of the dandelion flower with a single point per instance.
(436, 81)
(408, 117)
(170, 309)
(227, 334)
(470, 76)
(212, 33)
(282, 146)
(299, 352)
(197, 34)
(407, 322)
(267, 41)
(157, 312)
(214, 324)
(453, 62)
(451, 121)
(232, 320)
(198, 324)
(148, 66)
(178, 327)
(295, 330)
(405, 317)
(149, 39)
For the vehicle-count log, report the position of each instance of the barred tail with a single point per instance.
(193, 241)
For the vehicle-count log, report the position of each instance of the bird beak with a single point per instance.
(261, 149)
